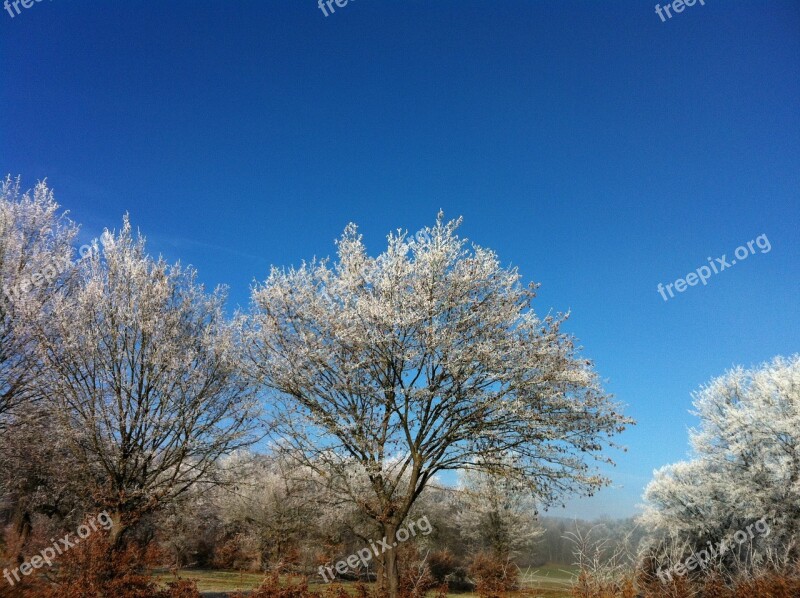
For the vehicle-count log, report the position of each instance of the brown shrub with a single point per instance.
(588, 587)
(769, 586)
(336, 590)
(95, 569)
(493, 577)
(361, 591)
(181, 588)
(416, 579)
(442, 564)
(228, 555)
(711, 585)
(296, 587)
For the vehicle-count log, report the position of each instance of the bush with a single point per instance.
(229, 555)
(95, 569)
(588, 587)
(442, 564)
(493, 576)
(447, 570)
(271, 588)
(763, 585)
(181, 588)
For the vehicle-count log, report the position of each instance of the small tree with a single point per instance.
(496, 515)
(424, 359)
(142, 378)
(273, 507)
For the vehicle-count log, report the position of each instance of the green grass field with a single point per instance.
(217, 581)
(549, 581)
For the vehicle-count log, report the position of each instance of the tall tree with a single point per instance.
(35, 260)
(142, 377)
(424, 359)
(35, 257)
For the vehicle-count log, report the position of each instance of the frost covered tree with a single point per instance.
(35, 261)
(35, 254)
(272, 506)
(745, 464)
(424, 359)
(496, 515)
(142, 378)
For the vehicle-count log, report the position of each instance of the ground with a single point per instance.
(549, 581)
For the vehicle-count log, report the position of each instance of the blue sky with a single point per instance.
(597, 148)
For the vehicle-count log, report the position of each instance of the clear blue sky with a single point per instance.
(599, 149)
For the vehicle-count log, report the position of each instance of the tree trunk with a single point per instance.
(23, 529)
(388, 572)
(118, 528)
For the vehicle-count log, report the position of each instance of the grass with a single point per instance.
(215, 580)
(548, 581)
(549, 577)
